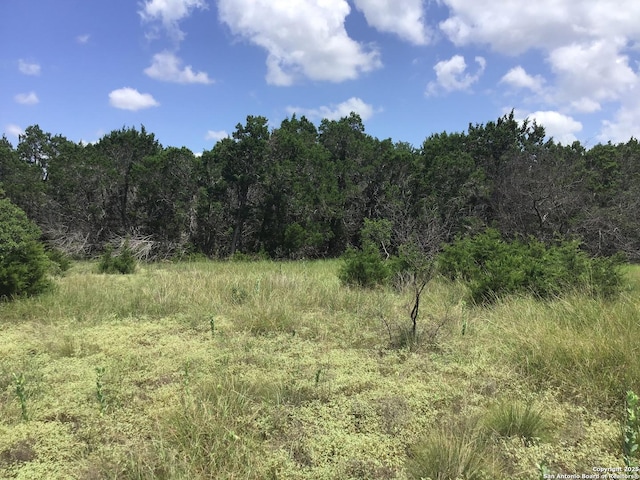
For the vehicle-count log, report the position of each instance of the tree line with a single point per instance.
(301, 191)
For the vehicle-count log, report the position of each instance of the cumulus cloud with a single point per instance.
(305, 38)
(27, 98)
(169, 13)
(406, 22)
(515, 27)
(511, 27)
(452, 75)
(585, 105)
(590, 73)
(28, 68)
(624, 125)
(591, 50)
(130, 99)
(517, 77)
(557, 125)
(335, 112)
(168, 67)
(216, 135)
(82, 39)
(13, 130)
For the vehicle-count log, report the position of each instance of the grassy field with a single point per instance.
(275, 371)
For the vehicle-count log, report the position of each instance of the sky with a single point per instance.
(191, 70)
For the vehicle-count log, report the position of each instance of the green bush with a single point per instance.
(493, 267)
(364, 268)
(123, 263)
(60, 260)
(23, 262)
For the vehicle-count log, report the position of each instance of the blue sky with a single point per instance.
(190, 70)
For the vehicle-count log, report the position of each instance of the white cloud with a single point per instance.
(514, 27)
(557, 125)
(13, 130)
(28, 68)
(303, 38)
(27, 98)
(335, 112)
(517, 77)
(590, 73)
(168, 67)
(216, 135)
(407, 22)
(624, 125)
(585, 105)
(169, 13)
(590, 49)
(82, 39)
(130, 99)
(451, 75)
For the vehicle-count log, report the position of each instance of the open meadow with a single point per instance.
(274, 370)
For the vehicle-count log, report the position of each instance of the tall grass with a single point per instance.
(585, 348)
(452, 452)
(210, 434)
(514, 419)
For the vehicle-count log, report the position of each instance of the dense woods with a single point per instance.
(304, 191)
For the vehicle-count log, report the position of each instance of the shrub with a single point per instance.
(364, 268)
(123, 263)
(23, 262)
(60, 261)
(493, 267)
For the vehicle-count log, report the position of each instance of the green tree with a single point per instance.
(351, 153)
(23, 263)
(450, 182)
(74, 198)
(22, 172)
(300, 192)
(117, 155)
(211, 231)
(609, 221)
(244, 161)
(493, 146)
(165, 190)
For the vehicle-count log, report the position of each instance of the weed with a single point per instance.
(239, 295)
(186, 378)
(212, 325)
(18, 381)
(102, 399)
(544, 471)
(631, 431)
